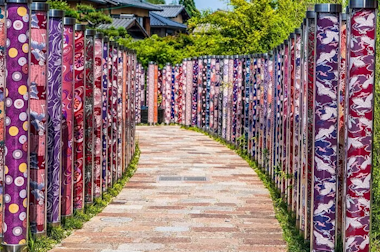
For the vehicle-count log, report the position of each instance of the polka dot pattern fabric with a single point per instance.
(16, 126)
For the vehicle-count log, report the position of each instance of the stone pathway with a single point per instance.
(230, 211)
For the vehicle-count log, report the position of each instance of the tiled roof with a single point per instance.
(157, 20)
(170, 10)
(118, 22)
(139, 4)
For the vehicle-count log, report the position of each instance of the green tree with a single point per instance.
(190, 7)
(83, 13)
(156, 1)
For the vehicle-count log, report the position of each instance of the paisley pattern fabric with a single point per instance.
(89, 120)
(97, 114)
(54, 126)
(104, 135)
(325, 130)
(38, 120)
(16, 125)
(67, 120)
(79, 95)
(360, 91)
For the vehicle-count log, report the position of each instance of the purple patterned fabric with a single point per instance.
(16, 126)
(54, 127)
(325, 130)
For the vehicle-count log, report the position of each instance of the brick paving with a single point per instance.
(230, 211)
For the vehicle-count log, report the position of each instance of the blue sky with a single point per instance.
(207, 4)
(211, 4)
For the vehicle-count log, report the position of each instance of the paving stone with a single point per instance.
(231, 212)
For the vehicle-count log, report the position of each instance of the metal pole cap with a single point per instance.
(38, 6)
(310, 14)
(363, 4)
(69, 21)
(56, 13)
(90, 32)
(330, 8)
(79, 27)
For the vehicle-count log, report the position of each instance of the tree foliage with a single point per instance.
(190, 7)
(83, 13)
(156, 1)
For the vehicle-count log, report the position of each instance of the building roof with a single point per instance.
(171, 10)
(124, 22)
(139, 4)
(130, 3)
(157, 20)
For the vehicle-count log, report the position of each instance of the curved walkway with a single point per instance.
(230, 211)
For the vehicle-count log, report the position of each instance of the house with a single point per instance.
(133, 15)
(164, 26)
(176, 13)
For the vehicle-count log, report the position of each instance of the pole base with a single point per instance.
(14, 248)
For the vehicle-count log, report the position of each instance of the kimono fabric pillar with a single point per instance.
(341, 124)
(109, 114)
(189, 91)
(119, 109)
(104, 134)
(253, 109)
(79, 95)
(2, 112)
(114, 77)
(204, 92)
(225, 97)
(176, 92)
(155, 95)
(310, 38)
(150, 85)
(38, 118)
(54, 126)
(98, 122)
(168, 93)
(67, 116)
(359, 123)
(296, 122)
(208, 93)
(194, 99)
(217, 98)
(211, 94)
(89, 116)
(125, 111)
(325, 126)
(230, 87)
(15, 225)
(200, 88)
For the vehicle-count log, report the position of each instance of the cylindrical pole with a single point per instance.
(79, 95)
(230, 98)
(180, 94)
(114, 111)
(119, 113)
(217, 107)
(3, 39)
(105, 122)
(126, 111)
(359, 123)
(189, 91)
(155, 94)
(207, 84)
(285, 113)
(151, 93)
(38, 119)
(110, 165)
(194, 101)
(97, 113)
(253, 126)
(325, 126)
(54, 126)
(296, 124)
(89, 116)
(15, 231)
(310, 26)
(168, 93)
(67, 116)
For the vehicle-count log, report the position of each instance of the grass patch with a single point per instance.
(56, 234)
(291, 234)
